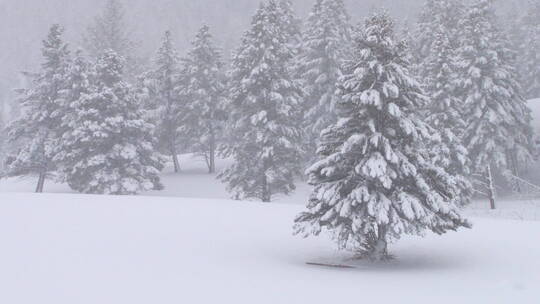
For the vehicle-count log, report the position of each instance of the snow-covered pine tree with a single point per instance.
(291, 24)
(163, 103)
(77, 82)
(512, 23)
(325, 45)
(202, 89)
(521, 150)
(109, 31)
(445, 112)
(264, 111)
(36, 131)
(110, 147)
(406, 33)
(438, 70)
(529, 57)
(497, 117)
(376, 179)
(436, 16)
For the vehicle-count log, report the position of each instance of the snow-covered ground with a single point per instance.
(191, 244)
(195, 182)
(64, 249)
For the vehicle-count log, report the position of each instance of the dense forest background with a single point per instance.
(23, 24)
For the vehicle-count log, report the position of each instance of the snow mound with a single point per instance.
(86, 249)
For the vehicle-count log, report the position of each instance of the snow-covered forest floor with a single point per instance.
(195, 182)
(104, 249)
(190, 243)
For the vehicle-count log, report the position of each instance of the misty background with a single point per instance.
(24, 23)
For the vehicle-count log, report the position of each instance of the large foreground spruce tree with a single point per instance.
(376, 179)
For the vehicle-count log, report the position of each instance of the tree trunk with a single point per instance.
(266, 191)
(491, 188)
(174, 156)
(380, 251)
(212, 168)
(176, 163)
(38, 184)
(41, 183)
(515, 169)
(212, 156)
(266, 195)
(42, 188)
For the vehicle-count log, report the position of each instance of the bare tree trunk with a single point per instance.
(38, 184)
(266, 198)
(266, 195)
(491, 188)
(381, 249)
(174, 156)
(176, 163)
(41, 182)
(206, 155)
(212, 156)
(212, 168)
(515, 169)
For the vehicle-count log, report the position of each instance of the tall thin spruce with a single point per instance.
(263, 133)
(36, 133)
(202, 90)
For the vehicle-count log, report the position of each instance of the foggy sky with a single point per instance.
(24, 23)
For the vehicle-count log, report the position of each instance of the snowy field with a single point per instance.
(190, 244)
(62, 249)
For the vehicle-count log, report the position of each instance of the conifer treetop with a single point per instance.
(109, 31)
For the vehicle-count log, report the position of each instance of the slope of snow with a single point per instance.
(65, 249)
